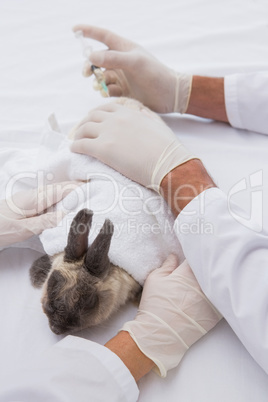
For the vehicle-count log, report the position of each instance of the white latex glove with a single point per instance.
(173, 314)
(131, 139)
(133, 72)
(21, 216)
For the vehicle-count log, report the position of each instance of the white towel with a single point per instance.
(143, 224)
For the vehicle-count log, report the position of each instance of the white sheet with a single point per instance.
(40, 73)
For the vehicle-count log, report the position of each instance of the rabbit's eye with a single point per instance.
(89, 301)
(49, 309)
(55, 283)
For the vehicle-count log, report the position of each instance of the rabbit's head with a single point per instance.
(81, 288)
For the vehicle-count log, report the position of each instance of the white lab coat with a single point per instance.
(246, 100)
(74, 369)
(231, 266)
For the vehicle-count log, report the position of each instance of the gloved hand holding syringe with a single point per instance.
(99, 83)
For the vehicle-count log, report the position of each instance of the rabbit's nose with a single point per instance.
(57, 330)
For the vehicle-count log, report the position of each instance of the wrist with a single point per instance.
(183, 88)
(207, 98)
(184, 183)
(126, 349)
(157, 339)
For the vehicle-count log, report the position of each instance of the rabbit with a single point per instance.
(81, 288)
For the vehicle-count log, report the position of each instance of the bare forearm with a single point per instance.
(190, 179)
(184, 183)
(127, 350)
(207, 98)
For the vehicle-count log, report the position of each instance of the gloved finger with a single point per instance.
(53, 193)
(112, 40)
(96, 115)
(87, 72)
(110, 107)
(96, 85)
(87, 130)
(185, 276)
(115, 90)
(118, 78)
(72, 133)
(74, 129)
(37, 224)
(34, 201)
(111, 77)
(168, 266)
(85, 146)
(185, 270)
(14, 231)
(185, 273)
(112, 59)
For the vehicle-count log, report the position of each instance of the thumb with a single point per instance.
(110, 59)
(85, 146)
(168, 266)
(51, 194)
(38, 224)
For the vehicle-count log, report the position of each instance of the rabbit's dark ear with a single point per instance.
(39, 270)
(97, 261)
(78, 236)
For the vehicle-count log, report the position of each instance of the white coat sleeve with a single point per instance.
(230, 262)
(74, 369)
(246, 101)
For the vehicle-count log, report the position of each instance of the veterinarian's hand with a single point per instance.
(133, 72)
(137, 143)
(173, 314)
(24, 214)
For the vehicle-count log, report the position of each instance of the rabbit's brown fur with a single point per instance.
(81, 288)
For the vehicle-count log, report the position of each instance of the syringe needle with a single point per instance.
(87, 50)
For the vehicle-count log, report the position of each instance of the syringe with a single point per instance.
(95, 70)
